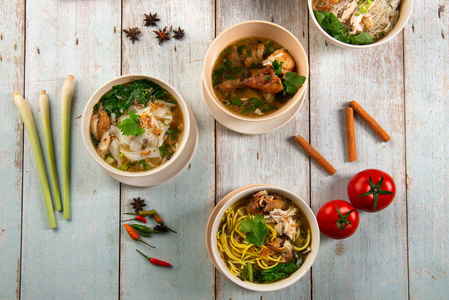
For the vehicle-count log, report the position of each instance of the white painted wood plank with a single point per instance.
(186, 201)
(12, 42)
(270, 158)
(427, 115)
(372, 264)
(80, 259)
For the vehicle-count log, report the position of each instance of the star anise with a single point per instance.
(150, 20)
(138, 204)
(132, 33)
(179, 34)
(163, 228)
(162, 34)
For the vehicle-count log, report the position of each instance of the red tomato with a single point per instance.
(338, 219)
(371, 190)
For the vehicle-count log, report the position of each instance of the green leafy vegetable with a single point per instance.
(122, 96)
(292, 82)
(131, 125)
(278, 272)
(330, 23)
(256, 229)
(277, 67)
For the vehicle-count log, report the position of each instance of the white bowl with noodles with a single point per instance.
(240, 194)
(405, 11)
(262, 29)
(158, 174)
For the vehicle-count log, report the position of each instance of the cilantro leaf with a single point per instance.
(292, 82)
(256, 229)
(131, 125)
(277, 67)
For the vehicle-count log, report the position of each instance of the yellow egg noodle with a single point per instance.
(237, 254)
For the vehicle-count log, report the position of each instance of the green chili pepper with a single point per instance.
(143, 213)
(144, 230)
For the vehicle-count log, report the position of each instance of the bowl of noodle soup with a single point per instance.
(360, 24)
(242, 252)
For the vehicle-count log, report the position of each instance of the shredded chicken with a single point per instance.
(103, 147)
(281, 246)
(285, 218)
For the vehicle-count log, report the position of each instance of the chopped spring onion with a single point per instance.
(30, 127)
(66, 103)
(45, 114)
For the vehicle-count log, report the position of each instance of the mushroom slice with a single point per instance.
(94, 126)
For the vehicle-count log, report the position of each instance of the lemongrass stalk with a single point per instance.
(45, 114)
(66, 103)
(28, 120)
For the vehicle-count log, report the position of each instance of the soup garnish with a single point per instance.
(136, 126)
(263, 238)
(255, 77)
(357, 22)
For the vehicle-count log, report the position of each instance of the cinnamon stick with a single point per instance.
(370, 121)
(350, 134)
(315, 155)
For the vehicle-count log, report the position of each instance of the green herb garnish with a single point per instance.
(292, 82)
(163, 150)
(256, 229)
(173, 133)
(277, 67)
(131, 125)
(330, 23)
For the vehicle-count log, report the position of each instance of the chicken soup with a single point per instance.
(255, 77)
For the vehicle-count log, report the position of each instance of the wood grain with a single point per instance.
(427, 114)
(372, 264)
(186, 201)
(80, 259)
(271, 158)
(12, 46)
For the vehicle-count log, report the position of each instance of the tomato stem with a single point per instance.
(376, 190)
(343, 221)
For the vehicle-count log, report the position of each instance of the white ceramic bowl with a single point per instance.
(231, 199)
(133, 178)
(260, 29)
(405, 10)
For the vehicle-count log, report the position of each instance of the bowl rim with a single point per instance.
(393, 33)
(246, 191)
(296, 97)
(96, 96)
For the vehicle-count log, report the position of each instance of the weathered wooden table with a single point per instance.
(399, 253)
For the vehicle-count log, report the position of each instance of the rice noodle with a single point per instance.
(384, 14)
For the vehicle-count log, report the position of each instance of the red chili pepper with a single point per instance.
(156, 261)
(134, 235)
(138, 218)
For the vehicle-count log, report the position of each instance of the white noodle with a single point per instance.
(384, 13)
